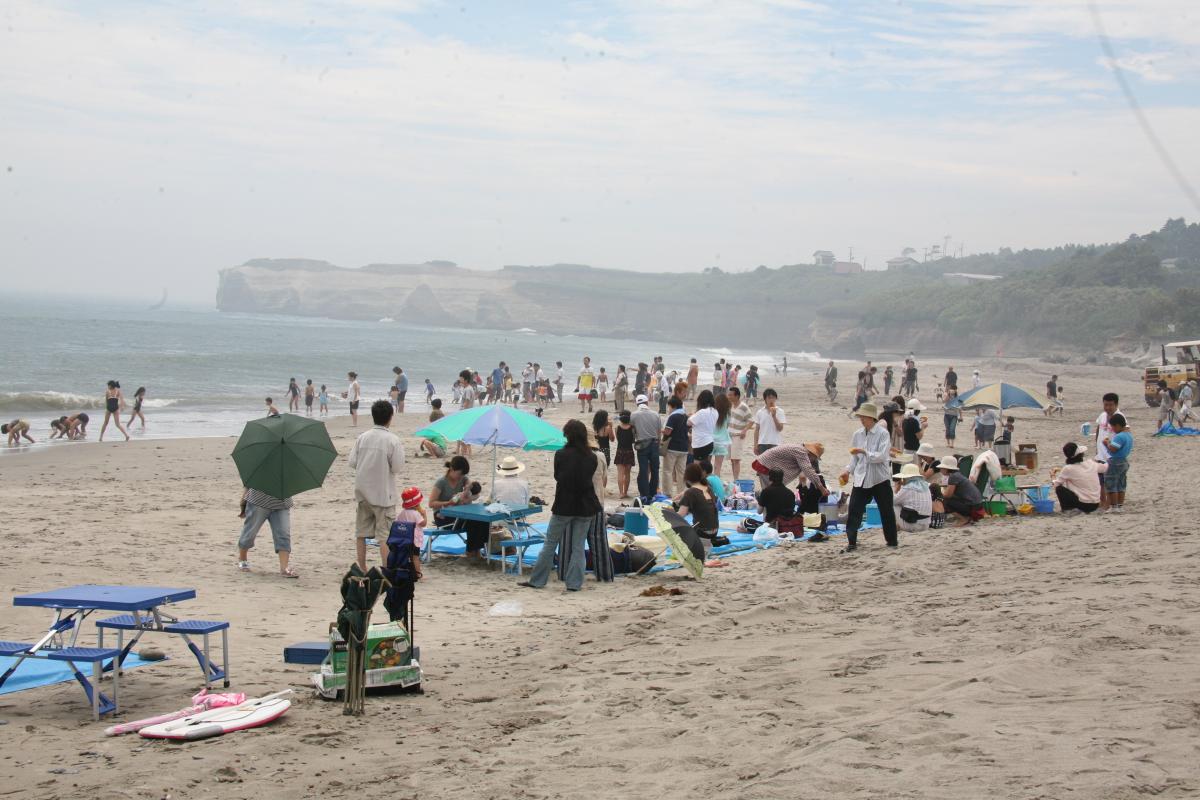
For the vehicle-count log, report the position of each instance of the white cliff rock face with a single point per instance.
(436, 293)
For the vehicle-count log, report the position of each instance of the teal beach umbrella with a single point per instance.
(283, 456)
(499, 426)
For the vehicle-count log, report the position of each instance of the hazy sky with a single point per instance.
(149, 145)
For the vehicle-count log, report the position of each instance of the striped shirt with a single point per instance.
(740, 418)
(265, 501)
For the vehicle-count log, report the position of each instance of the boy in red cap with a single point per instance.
(413, 513)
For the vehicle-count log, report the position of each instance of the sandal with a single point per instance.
(289, 573)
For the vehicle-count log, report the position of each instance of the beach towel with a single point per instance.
(1171, 430)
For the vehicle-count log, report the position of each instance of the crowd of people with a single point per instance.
(679, 437)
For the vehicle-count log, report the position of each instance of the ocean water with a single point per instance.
(207, 372)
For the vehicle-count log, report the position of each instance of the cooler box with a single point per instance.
(636, 522)
(997, 508)
(744, 485)
(1027, 456)
(872, 517)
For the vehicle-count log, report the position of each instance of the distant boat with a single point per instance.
(160, 303)
(387, 319)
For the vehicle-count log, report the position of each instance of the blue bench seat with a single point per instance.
(13, 648)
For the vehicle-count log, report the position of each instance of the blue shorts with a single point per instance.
(1115, 478)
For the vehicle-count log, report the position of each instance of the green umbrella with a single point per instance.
(283, 456)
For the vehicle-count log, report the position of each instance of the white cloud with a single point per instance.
(706, 131)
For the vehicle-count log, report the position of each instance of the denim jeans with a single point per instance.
(565, 535)
(281, 527)
(647, 477)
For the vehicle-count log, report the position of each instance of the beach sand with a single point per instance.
(1039, 657)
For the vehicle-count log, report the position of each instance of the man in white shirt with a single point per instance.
(869, 474)
(768, 423)
(353, 393)
(376, 458)
(558, 380)
(1104, 431)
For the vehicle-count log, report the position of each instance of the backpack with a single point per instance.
(401, 549)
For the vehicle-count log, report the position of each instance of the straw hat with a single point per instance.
(914, 404)
(509, 466)
(868, 410)
(411, 497)
(816, 448)
(925, 450)
(908, 471)
(948, 462)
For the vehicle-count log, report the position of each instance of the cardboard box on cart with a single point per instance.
(387, 661)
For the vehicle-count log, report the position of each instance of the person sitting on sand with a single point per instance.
(433, 444)
(1077, 484)
(15, 430)
(959, 495)
(272, 411)
(913, 501)
(776, 501)
(699, 501)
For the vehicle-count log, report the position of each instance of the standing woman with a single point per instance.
(620, 389)
(951, 417)
(138, 398)
(452, 489)
(602, 385)
(114, 401)
(704, 425)
(603, 429)
(721, 438)
(626, 457)
(293, 395)
(574, 510)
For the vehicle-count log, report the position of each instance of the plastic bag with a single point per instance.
(507, 608)
(765, 536)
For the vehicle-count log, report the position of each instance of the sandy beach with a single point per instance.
(1033, 657)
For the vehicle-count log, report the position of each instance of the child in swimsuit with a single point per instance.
(15, 430)
(323, 398)
(138, 397)
(309, 391)
(113, 400)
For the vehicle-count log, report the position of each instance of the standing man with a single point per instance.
(785, 363)
(277, 512)
(676, 435)
(951, 379)
(1052, 395)
(831, 382)
(558, 380)
(768, 423)
(527, 382)
(401, 388)
(353, 394)
(693, 377)
(584, 385)
(741, 420)
(496, 393)
(1105, 431)
(870, 476)
(647, 431)
(376, 458)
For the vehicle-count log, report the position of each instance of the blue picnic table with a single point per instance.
(514, 519)
(144, 613)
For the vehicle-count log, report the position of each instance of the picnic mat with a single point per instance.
(36, 672)
(1171, 430)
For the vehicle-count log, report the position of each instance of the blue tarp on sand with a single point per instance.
(35, 672)
(1171, 430)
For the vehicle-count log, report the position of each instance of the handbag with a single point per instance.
(594, 394)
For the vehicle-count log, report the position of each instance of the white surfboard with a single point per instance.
(218, 721)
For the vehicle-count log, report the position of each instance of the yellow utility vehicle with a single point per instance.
(1187, 356)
